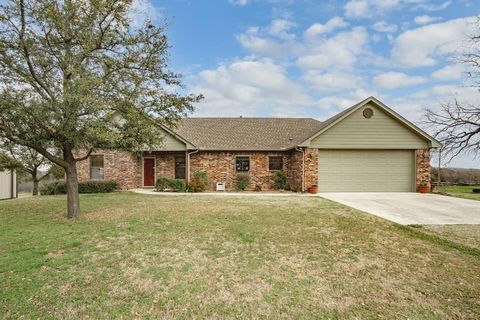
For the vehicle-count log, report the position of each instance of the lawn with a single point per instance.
(140, 256)
(459, 191)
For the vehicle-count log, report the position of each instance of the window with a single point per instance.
(180, 166)
(96, 167)
(242, 164)
(275, 163)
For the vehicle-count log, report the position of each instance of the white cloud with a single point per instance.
(424, 45)
(425, 19)
(249, 87)
(239, 2)
(280, 28)
(450, 72)
(317, 29)
(427, 6)
(383, 26)
(368, 8)
(268, 47)
(391, 80)
(339, 50)
(331, 81)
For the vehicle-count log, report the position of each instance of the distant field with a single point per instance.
(460, 191)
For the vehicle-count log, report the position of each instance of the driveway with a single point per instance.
(411, 208)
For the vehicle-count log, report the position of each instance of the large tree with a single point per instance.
(457, 122)
(27, 160)
(80, 75)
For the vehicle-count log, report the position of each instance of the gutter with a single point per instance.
(303, 167)
(188, 163)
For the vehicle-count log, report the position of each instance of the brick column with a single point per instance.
(422, 158)
(311, 167)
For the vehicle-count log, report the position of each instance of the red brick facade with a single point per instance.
(423, 168)
(126, 168)
(121, 166)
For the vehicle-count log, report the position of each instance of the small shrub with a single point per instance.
(162, 184)
(166, 184)
(198, 182)
(93, 186)
(295, 187)
(258, 188)
(243, 180)
(280, 180)
(178, 185)
(52, 188)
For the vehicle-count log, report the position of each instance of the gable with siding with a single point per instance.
(382, 131)
(171, 143)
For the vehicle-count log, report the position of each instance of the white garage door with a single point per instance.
(366, 170)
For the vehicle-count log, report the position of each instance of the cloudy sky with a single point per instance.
(311, 58)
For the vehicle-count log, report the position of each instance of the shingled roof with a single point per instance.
(252, 134)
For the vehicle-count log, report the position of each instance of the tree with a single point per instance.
(457, 123)
(78, 75)
(25, 159)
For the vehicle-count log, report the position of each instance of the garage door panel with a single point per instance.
(366, 170)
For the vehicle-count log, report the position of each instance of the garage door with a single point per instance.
(366, 170)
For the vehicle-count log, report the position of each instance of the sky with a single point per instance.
(306, 58)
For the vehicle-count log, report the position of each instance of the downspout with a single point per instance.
(188, 163)
(303, 167)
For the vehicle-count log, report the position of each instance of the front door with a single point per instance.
(148, 172)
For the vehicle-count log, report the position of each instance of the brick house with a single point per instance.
(367, 147)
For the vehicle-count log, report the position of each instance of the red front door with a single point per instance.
(148, 172)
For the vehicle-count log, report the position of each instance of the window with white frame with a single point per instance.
(275, 163)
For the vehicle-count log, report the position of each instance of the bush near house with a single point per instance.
(243, 180)
(60, 187)
(198, 182)
(280, 180)
(166, 184)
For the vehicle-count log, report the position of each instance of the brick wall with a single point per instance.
(220, 167)
(121, 166)
(423, 166)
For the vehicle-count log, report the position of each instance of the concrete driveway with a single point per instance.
(411, 208)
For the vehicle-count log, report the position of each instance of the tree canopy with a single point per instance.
(79, 75)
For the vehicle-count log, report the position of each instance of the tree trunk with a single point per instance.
(73, 200)
(35, 187)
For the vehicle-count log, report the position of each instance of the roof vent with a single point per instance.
(241, 117)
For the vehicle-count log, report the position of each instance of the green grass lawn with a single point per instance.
(459, 191)
(140, 256)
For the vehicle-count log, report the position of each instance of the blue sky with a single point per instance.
(314, 58)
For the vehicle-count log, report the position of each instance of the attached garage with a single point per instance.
(366, 170)
(370, 148)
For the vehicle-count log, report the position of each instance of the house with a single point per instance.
(8, 184)
(367, 147)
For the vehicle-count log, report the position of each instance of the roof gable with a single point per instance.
(390, 130)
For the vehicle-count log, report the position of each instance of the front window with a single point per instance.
(96, 167)
(180, 166)
(275, 163)
(242, 164)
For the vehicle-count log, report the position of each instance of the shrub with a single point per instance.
(243, 180)
(55, 187)
(258, 188)
(162, 184)
(280, 180)
(295, 187)
(165, 184)
(178, 185)
(198, 182)
(60, 187)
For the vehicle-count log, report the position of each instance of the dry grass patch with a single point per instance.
(137, 256)
(466, 234)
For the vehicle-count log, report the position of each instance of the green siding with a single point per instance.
(170, 143)
(379, 132)
(366, 171)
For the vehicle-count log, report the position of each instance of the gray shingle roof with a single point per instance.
(261, 134)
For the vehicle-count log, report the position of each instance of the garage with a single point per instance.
(366, 170)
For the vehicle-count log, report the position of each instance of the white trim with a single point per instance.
(154, 170)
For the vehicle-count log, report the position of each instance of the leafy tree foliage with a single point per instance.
(78, 75)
